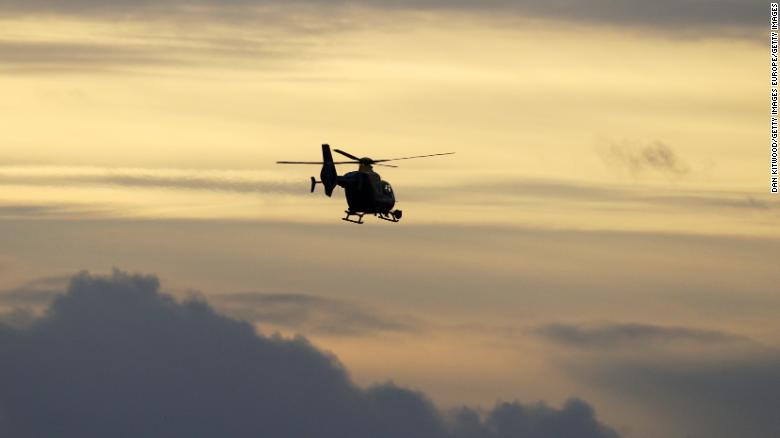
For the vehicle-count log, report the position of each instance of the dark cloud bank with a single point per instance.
(729, 389)
(115, 357)
(707, 397)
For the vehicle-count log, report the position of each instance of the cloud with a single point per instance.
(637, 158)
(575, 419)
(78, 56)
(264, 33)
(16, 210)
(54, 210)
(115, 357)
(310, 314)
(18, 318)
(663, 13)
(700, 383)
(196, 183)
(629, 334)
(633, 197)
(506, 191)
(136, 52)
(34, 293)
(148, 179)
(712, 397)
(20, 306)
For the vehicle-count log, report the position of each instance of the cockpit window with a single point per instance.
(388, 189)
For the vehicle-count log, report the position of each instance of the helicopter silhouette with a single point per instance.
(365, 190)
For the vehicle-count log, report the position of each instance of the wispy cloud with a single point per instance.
(507, 190)
(86, 56)
(629, 334)
(22, 305)
(311, 314)
(251, 33)
(636, 197)
(640, 158)
(37, 292)
(663, 14)
(238, 182)
(53, 210)
(134, 51)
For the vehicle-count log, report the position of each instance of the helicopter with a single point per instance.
(365, 190)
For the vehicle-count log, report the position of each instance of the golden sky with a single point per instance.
(610, 174)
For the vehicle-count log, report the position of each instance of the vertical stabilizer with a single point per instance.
(328, 173)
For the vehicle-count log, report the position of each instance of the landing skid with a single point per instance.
(391, 216)
(350, 213)
(387, 217)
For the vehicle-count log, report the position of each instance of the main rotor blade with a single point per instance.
(409, 158)
(346, 154)
(316, 162)
(384, 165)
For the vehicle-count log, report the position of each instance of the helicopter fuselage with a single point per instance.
(366, 192)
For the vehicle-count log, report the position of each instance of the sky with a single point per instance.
(597, 259)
